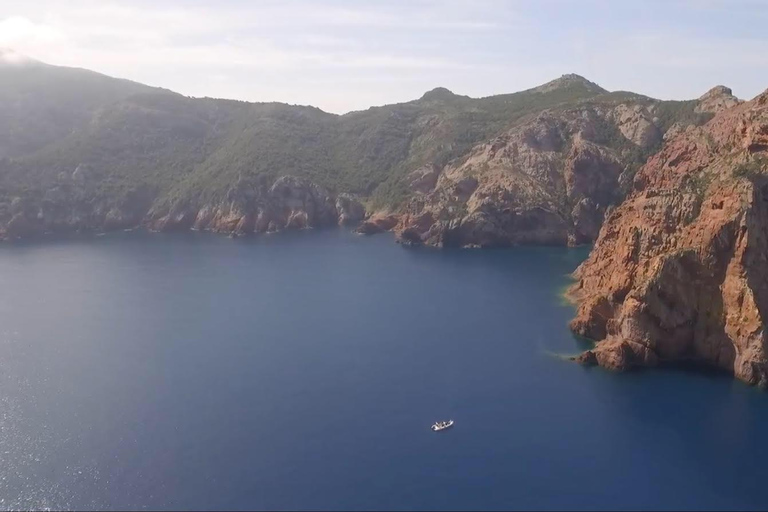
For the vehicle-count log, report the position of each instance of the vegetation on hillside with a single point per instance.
(196, 150)
(136, 140)
(41, 104)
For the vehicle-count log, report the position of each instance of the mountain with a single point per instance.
(567, 81)
(83, 151)
(41, 104)
(547, 180)
(10, 57)
(679, 270)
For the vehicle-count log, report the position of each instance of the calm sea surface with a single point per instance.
(303, 370)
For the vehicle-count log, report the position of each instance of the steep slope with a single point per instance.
(447, 126)
(548, 180)
(679, 270)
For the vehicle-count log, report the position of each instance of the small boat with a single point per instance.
(442, 425)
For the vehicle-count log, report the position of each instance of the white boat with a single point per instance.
(442, 425)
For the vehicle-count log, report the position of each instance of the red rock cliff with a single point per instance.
(679, 271)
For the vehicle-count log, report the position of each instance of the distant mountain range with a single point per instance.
(84, 151)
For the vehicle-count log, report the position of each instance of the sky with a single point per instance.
(343, 55)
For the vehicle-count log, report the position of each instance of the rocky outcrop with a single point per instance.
(349, 209)
(717, 99)
(675, 130)
(547, 181)
(378, 223)
(424, 179)
(680, 269)
(637, 125)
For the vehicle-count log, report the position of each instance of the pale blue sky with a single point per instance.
(343, 55)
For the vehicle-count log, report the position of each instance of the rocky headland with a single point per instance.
(679, 269)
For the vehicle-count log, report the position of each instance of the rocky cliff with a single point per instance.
(547, 181)
(261, 207)
(679, 272)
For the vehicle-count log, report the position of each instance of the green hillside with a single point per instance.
(132, 140)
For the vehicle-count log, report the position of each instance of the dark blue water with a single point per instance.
(304, 370)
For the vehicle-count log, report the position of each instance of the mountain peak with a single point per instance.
(569, 80)
(437, 94)
(718, 90)
(10, 57)
(716, 99)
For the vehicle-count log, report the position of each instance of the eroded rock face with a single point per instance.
(423, 179)
(378, 223)
(636, 124)
(545, 182)
(349, 209)
(675, 130)
(717, 99)
(680, 269)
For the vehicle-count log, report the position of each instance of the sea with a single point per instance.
(303, 370)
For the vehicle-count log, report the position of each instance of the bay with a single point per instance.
(303, 370)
